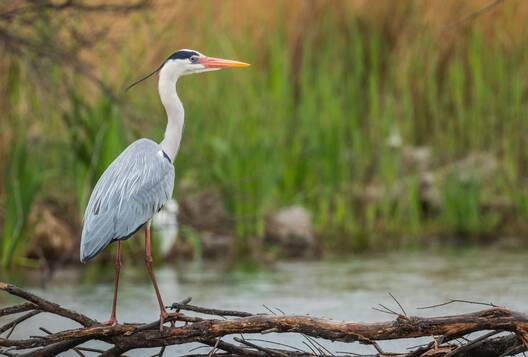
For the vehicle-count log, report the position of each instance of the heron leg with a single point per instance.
(148, 262)
(113, 319)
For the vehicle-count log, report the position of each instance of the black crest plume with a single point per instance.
(146, 77)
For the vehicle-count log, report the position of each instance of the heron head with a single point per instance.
(187, 61)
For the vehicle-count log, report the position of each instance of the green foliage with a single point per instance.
(310, 125)
(316, 133)
(23, 176)
(461, 206)
(96, 137)
(22, 183)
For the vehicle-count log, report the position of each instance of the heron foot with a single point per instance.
(164, 315)
(111, 322)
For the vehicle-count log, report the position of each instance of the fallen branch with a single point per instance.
(449, 332)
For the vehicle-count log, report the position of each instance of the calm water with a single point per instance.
(344, 289)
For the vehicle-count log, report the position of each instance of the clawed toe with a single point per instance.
(175, 316)
(166, 316)
(111, 322)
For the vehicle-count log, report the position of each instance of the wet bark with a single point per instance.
(209, 326)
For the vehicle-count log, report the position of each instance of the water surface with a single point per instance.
(341, 289)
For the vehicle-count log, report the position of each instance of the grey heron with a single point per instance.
(140, 180)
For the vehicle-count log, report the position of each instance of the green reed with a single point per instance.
(24, 173)
(314, 130)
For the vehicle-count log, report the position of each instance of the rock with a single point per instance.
(53, 238)
(206, 223)
(204, 211)
(291, 229)
(215, 246)
(478, 167)
(416, 158)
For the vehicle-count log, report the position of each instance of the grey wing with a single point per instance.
(131, 190)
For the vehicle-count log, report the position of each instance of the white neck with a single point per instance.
(175, 115)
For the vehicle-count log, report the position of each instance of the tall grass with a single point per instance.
(310, 122)
(314, 131)
(23, 174)
(96, 137)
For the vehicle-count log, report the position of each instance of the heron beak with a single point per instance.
(211, 62)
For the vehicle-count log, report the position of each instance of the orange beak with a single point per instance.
(211, 62)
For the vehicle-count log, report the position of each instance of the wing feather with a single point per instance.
(131, 190)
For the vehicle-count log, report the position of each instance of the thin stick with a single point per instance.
(208, 311)
(230, 348)
(11, 325)
(452, 301)
(17, 309)
(75, 349)
(270, 352)
(270, 310)
(397, 302)
(472, 344)
(275, 343)
(48, 306)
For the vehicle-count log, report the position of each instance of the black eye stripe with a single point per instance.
(182, 55)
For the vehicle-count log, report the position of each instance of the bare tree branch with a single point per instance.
(47, 30)
(210, 331)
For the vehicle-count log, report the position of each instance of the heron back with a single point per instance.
(131, 190)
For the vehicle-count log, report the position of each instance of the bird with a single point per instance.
(136, 185)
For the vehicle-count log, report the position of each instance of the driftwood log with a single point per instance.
(504, 332)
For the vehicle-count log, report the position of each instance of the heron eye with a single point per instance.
(194, 59)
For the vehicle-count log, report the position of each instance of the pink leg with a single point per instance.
(148, 262)
(113, 319)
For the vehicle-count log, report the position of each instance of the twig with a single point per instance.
(270, 352)
(48, 306)
(17, 309)
(282, 312)
(90, 349)
(319, 351)
(382, 310)
(471, 344)
(378, 348)
(75, 349)
(208, 311)
(323, 348)
(270, 310)
(215, 347)
(310, 347)
(228, 347)
(455, 301)
(397, 302)
(275, 343)
(11, 325)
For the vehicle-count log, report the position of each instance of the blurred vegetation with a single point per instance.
(341, 98)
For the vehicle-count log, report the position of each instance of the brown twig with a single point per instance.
(11, 325)
(452, 301)
(207, 311)
(471, 344)
(45, 305)
(17, 309)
